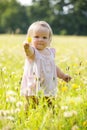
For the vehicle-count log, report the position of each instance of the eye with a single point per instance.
(44, 37)
(36, 36)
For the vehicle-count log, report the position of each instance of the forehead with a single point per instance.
(41, 29)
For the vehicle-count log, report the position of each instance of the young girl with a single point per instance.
(40, 72)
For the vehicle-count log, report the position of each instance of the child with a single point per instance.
(40, 71)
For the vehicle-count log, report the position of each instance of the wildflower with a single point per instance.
(17, 110)
(10, 99)
(4, 69)
(85, 123)
(10, 92)
(67, 114)
(14, 111)
(29, 39)
(75, 86)
(70, 113)
(75, 127)
(10, 96)
(11, 118)
(13, 73)
(64, 88)
(19, 104)
(64, 107)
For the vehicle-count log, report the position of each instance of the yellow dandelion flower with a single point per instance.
(29, 39)
(75, 86)
(64, 88)
(75, 65)
(85, 123)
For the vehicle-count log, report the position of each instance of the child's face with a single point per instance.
(40, 37)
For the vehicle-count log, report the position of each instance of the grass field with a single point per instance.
(70, 111)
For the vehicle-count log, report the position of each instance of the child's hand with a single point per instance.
(28, 50)
(67, 78)
(26, 47)
(26, 43)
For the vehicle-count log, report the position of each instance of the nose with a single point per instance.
(40, 39)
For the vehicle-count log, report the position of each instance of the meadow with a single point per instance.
(70, 111)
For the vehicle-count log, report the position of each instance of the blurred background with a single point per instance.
(66, 17)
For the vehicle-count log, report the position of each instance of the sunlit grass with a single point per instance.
(70, 111)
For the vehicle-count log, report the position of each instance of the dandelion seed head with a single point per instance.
(75, 127)
(19, 104)
(64, 107)
(10, 92)
(17, 110)
(67, 114)
(10, 99)
(4, 69)
(11, 118)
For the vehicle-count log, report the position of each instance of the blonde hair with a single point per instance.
(41, 23)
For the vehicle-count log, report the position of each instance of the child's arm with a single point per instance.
(61, 75)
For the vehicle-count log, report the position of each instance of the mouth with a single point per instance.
(40, 44)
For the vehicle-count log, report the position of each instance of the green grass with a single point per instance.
(71, 102)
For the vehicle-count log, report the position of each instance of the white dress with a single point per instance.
(40, 75)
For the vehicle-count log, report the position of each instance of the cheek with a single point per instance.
(35, 40)
(34, 43)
